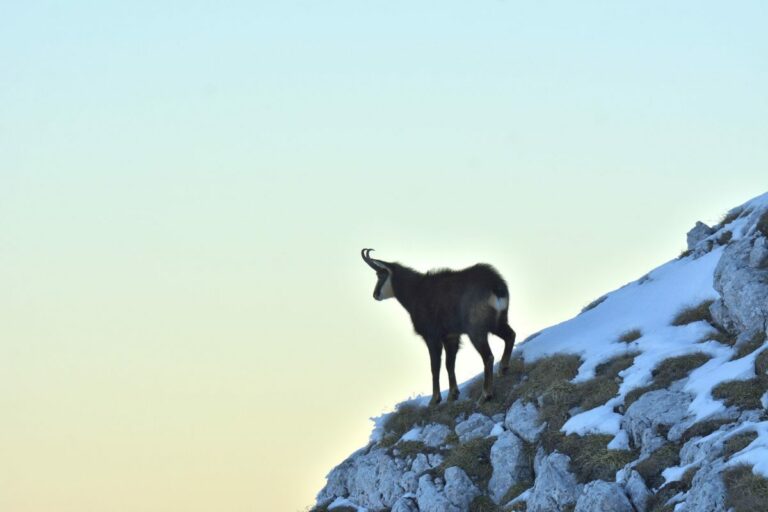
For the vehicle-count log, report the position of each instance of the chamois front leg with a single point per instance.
(435, 354)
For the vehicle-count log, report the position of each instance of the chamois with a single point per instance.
(444, 304)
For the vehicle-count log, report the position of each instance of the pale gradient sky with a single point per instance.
(185, 321)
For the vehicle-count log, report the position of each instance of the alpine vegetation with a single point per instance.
(445, 304)
(653, 399)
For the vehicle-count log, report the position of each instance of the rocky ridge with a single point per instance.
(654, 398)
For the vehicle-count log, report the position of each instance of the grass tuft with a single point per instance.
(694, 314)
(630, 336)
(738, 442)
(744, 394)
(590, 457)
(703, 429)
(746, 491)
(650, 468)
(724, 238)
(474, 457)
(667, 372)
(750, 346)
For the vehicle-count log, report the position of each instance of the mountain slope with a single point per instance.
(653, 398)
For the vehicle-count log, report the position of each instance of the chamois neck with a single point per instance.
(405, 283)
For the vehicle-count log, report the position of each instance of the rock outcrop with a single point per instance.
(562, 434)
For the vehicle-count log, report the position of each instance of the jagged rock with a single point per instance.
(697, 234)
(707, 491)
(523, 419)
(459, 489)
(555, 488)
(644, 416)
(476, 426)
(406, 503)
(371, 480)
(758, 256)
(743, 289)
(454, 495)
(509, 465)
(599, 495)
(421, 463)
(434, 434)
(637, 491)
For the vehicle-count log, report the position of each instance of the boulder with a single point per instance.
(435, 434)
(743, 289)
(371, 480)
(555, 488)
(453, 495)
(644, 416)
(707, 491)
(476, 426)
(637, 491)
(523, 419)
(510, 465)
(697, 234)
(599, 495)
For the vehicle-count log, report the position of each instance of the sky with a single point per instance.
(185, 187)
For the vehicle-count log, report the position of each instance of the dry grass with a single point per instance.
(744, 394)
(703, 428)
(667, 372)
(474, 457)
(738, 442)
(630, 336)
(650, 469)
(750, 346)
(747, 492)
(692, 314)
(724, 238)
(590, 457)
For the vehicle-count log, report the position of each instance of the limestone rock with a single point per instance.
(599, 495)
(476, 426)
(743, 289)
(707, 491)
(697, 234)
(454, 495)
(434, 434)
(758, 256)
(555, 488)
(509, 465)
(637, 491)
(523, 419)
(643, 417)
(371, 480)
(406, 503)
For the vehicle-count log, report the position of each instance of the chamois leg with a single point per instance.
(451, 344)
(435, 354)
(505, 332)
(480, 341)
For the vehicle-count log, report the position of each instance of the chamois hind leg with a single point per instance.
(480, 341)
(505, 332)
(435, 353)
(451, 344)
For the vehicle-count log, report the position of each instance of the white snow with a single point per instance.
(344, 502)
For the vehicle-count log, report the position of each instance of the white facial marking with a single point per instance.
(386, 291)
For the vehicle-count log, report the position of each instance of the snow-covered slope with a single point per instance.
(653, 398)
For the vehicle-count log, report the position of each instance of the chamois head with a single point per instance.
(383, 289)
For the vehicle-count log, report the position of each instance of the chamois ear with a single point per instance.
(376, 265)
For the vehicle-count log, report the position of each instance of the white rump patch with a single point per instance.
(499, 304)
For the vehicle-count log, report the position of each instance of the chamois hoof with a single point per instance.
(435, 400)
(453, 395)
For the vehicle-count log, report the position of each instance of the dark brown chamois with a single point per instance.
(444, 304)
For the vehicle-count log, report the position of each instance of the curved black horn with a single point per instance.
(365, 253)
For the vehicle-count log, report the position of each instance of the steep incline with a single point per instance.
(653, 398)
